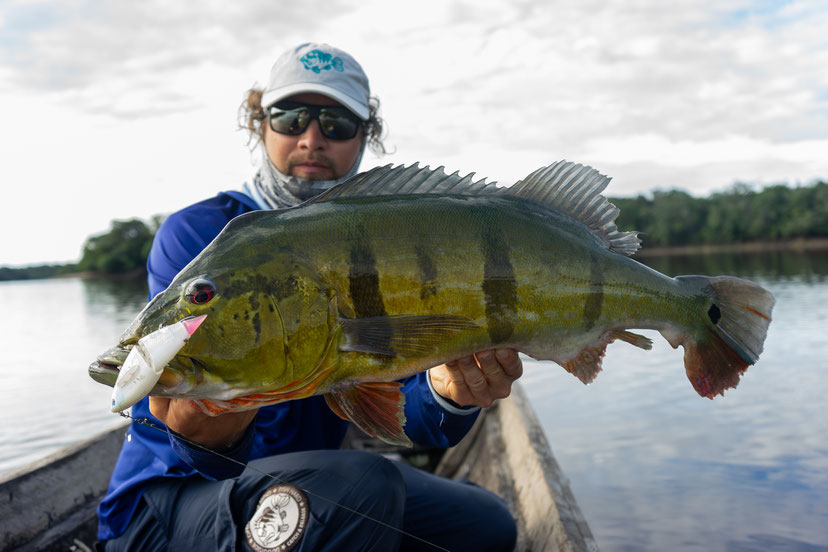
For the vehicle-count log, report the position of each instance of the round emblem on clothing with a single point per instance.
(279, 521)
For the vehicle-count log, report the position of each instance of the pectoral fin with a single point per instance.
(377, 408)
(405, 335)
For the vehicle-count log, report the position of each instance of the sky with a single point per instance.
(117, 110)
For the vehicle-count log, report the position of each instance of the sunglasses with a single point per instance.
(293, 118)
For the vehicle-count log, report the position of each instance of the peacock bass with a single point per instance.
(402, 269)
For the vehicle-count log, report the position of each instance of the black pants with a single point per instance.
(212, 515)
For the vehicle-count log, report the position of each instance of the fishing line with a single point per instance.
(146, 422)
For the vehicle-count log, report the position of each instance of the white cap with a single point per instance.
(322, 69)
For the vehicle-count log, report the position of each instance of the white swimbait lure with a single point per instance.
(146, 361)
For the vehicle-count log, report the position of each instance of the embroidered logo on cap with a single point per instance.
(318, 61)
(279, 521)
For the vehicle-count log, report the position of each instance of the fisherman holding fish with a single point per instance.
(312, 124)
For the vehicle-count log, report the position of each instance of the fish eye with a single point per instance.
(200, 292)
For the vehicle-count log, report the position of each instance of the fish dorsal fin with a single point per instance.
(575, 190)
(401, 180)
(570, 188)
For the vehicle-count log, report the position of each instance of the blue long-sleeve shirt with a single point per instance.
(148, 454)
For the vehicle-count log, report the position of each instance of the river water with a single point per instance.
(652, 465)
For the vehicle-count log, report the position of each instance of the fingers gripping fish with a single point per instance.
(403, 268)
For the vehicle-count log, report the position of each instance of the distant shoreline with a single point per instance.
(797, 245)
(131, 275)
(138, 273)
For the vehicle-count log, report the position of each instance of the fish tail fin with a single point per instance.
(735, 326)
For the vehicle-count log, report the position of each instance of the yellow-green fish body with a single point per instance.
(402, 269)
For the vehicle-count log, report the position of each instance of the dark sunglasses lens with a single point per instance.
(292, 122)
(337, 126)
(335, 123)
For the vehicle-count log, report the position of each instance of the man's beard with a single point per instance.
(315, 158)
(280, 190)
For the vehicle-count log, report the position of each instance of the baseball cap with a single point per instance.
(320, 68)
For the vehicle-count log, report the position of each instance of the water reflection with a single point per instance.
(103, 295)
(52, 330)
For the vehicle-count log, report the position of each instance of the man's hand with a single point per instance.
(219, 433)
(478, 379)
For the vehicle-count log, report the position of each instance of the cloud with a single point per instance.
(133, 53)
(721, 85)
(101, 99)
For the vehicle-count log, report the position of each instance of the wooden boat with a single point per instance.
(50, 505)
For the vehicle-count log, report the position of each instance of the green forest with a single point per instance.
(669, 218)
(737, 215)
(123, 249)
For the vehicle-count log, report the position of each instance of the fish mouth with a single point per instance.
(172, 383)
(106, 367)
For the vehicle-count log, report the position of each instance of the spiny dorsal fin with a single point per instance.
(402, 180)
(576, 189)
(570, 188)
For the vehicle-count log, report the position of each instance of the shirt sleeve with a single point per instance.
(176, 243)
(292, 426)
(430, 419)
(185, 233)
(213, 465)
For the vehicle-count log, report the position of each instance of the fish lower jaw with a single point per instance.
(104, 373)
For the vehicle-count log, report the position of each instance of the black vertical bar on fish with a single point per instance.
(428, 272)
(363, 279)
(499, 285)
(363, 285)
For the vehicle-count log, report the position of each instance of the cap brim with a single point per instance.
(272, 96)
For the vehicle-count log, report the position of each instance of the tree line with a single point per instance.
(123, 249)
(666, 218)
(736, 215)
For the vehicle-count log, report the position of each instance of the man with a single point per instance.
(312, 125)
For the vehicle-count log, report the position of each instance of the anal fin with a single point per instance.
(377, 408)
(587, 363)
